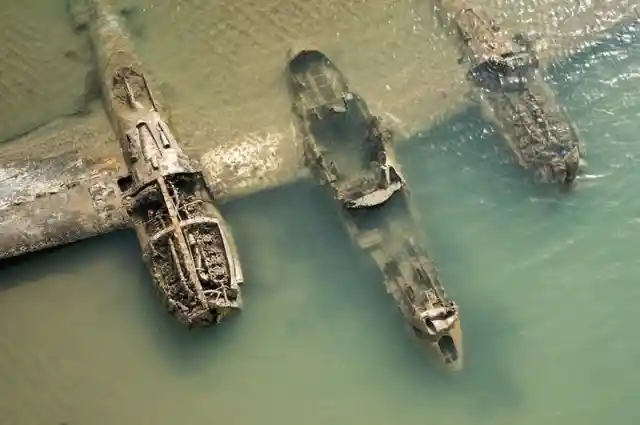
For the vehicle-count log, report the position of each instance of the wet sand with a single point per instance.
(40, 76)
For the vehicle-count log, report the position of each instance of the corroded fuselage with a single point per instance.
(513, 95)
(349, 151)
(185, 241)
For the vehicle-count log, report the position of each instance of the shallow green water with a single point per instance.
(546, 283)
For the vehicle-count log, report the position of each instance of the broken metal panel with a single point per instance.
(56, 201)
(384, 178)
(372, 198)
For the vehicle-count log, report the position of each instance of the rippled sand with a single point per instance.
(220, 63)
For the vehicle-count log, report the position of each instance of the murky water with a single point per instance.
(546, 282)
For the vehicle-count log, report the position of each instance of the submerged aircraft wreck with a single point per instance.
(513, 96)
(86, 184)
(350, 152)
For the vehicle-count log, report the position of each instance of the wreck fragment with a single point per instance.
(350, 151)
(513, 95)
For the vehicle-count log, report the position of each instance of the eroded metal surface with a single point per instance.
(514, 96)
(388, 234)
(350, 152)
(45, 172)
(57, 201)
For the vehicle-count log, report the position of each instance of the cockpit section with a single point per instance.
(153, 150)
(187, 250)
(383, 178)
(147, 142)
(353, 152)
(345, 145)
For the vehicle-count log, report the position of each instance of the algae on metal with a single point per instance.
(351, 153)
(149, 184)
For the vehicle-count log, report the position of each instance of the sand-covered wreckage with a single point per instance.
(185, 241)
(350, 152)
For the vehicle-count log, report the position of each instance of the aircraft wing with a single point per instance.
(58, 183)
(252, 162)
(55, 201)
